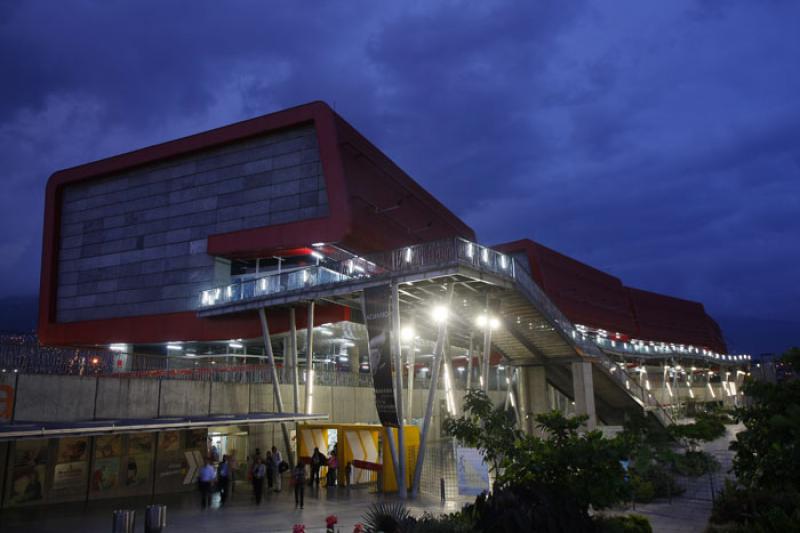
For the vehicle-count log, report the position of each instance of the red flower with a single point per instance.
(359, 528)
(299, 528)
(331, 520)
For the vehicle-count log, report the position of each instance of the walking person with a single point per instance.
(299, 480)
(224, 479)
(317, 460)
(276, 461)
(233, 469)
(270, 466)
(333, 464)
(259, 471)
(205, 479)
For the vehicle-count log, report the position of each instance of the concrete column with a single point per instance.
(583, 387)
(535, 400)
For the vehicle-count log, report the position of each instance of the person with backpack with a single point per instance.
(317, 460)
(299, 480)
(223, 479)
(259, 472)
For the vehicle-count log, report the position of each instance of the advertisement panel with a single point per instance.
(375, 305)
(472, 472)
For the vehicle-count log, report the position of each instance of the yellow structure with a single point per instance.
(364, 447)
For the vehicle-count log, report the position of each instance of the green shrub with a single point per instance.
(757, 509)
(695, 464)
(388, 517)
(632, 523)
(642, 489)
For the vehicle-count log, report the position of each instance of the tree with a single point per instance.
(766, 495)
(584, 466)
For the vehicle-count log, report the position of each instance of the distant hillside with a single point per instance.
(756, 335)
(19, 314)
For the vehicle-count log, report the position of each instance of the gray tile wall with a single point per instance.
(135, 243)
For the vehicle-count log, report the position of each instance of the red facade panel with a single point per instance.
(584, 294)
(668, 319)
(373, 205)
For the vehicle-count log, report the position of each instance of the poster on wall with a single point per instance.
(73, 449)
(138, 470)
(197, 440)
(375, 303)
(108, 446)
(28, 475)
(169, 441)
(472, 472)
(140, 444)
(105, 475)
(68, 476)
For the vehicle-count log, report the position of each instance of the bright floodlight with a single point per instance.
(481, 321)
(494, 323)
(406, 333)
(439, 313)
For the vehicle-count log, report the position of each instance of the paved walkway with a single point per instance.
(241, 515)
(689, 512)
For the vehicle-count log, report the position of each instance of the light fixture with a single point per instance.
(174, 347)
(316, 255)
(235, 344)
(117, 347)
(481, 321)
(318, 244)
(408, 255)
(494, 323)
(406, 333)
(439, 314)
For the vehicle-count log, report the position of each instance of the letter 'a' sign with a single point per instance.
(376, 306)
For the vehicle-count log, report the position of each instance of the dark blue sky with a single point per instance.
(659, 141)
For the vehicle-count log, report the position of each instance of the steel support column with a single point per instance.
(293, 355)
(310, 360)
(398, 383)
(470, 355)
(276, 387)
(441, 335)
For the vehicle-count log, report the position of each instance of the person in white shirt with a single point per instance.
(205, 479)
(277, 460)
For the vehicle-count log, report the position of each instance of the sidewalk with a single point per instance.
(241, 515)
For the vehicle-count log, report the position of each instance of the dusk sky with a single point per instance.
(658, 141)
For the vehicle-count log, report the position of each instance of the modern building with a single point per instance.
(199, 264)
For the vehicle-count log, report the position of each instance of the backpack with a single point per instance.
(315, 460)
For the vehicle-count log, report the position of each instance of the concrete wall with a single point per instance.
(135, 243)
(184, 398)
(127, 398)
(54, 398)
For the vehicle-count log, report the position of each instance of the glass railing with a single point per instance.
(270, 284)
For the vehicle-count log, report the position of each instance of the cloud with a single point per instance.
(655, 141)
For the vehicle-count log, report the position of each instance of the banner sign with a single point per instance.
(375, 304)
(472, 472)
